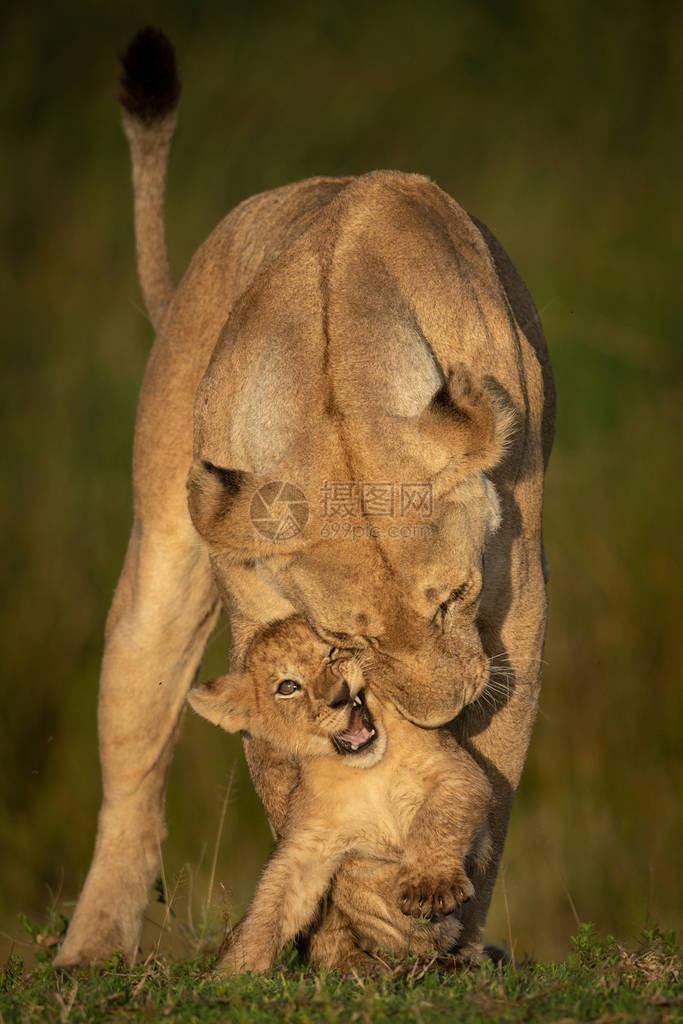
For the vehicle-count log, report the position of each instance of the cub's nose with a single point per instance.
(341, 697)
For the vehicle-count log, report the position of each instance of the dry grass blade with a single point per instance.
(214, 859)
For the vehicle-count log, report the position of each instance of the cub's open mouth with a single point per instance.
(361, 730)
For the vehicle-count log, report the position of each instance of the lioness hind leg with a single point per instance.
(163, 612)
(501, 749)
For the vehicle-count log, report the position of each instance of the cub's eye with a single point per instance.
(287, 687)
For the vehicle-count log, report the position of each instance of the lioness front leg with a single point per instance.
(163, 611)
(432, 880)
(286, 900)
(500, 746)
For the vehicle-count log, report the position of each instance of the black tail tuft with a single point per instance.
(150, 85)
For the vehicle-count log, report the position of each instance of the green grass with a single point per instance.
(600, 981)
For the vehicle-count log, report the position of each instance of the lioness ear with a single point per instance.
(463, 409)
(223, 702)
(212, 492)
(463, 430)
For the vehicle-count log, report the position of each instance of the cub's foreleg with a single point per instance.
(286, 901)
(450, 822)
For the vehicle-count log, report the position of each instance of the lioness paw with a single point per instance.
(432, 897)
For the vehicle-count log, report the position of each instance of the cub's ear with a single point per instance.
(223, 701)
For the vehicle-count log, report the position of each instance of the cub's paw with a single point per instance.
(433, 896)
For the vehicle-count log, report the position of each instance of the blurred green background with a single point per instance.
(560, 126)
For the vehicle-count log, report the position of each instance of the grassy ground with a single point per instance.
(600, 981)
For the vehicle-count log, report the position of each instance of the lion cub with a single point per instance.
(383, 816)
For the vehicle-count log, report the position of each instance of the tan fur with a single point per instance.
(350, 329)
(386, 828)
(150, 145)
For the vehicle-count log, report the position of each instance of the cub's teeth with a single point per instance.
(372, 732)
(357, 702)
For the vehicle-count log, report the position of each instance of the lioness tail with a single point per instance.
(150, 89)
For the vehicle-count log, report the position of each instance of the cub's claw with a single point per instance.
(433, 897)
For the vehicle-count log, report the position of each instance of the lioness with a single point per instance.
(404, 805)
(329, 337)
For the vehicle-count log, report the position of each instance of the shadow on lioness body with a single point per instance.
(384, 814)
